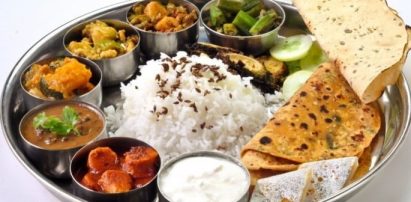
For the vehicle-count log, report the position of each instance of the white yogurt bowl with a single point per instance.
(203, 176)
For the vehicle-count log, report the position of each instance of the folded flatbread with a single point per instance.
(329, 176)
(290, 187)
(325, 119)
(366, 38)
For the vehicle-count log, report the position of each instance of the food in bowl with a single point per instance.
(157, 17)
(102, 41)
(62, 126)
(62, 78)
(206, 176)
(116, 172)
(242, 17)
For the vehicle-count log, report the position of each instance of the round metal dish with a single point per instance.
(395, 103)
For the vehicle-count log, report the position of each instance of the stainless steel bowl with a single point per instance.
(254, 45)
(55, 163)
(93, 97)
(118, 144)
(154, 43)
(117, 69)
(164, 198)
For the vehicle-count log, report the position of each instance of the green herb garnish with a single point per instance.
(60, 127)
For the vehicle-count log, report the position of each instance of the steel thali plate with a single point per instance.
(394, 103)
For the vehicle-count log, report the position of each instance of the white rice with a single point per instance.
(223, 119)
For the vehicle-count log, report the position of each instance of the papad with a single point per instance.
(366, 38)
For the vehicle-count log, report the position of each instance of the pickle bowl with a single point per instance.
(51, 160)
(254, 45)
(94, 96)
(117, 69)
(79, 164)
(153, 43)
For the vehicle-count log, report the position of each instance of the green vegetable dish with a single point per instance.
(242, 17)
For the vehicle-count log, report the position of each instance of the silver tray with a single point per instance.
(394, 103)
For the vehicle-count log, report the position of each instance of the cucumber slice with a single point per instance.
(314, 58)
(293, 82)
(292, 48)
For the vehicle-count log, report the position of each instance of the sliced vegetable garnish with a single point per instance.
(292, 48)
(60, 127)
(293, 82)
(314, 58)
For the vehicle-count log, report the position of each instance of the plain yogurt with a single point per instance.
(204, 179)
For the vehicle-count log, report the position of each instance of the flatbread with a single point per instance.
(255, 160)
(329, 176)
(366, 38)
(323, 120)
(291, 186)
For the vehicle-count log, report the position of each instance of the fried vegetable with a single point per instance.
(230, 5)
(230, 29)
(251, 65)
(273, 66)
(263, 24)
(244, 22)
(217, 17)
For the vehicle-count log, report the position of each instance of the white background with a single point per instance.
(22, 23)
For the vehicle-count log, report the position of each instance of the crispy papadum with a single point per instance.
(366, 38)
(324, 119)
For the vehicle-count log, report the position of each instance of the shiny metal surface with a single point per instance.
(254, 45)
(395, 103)
(119, 145)
(154, 43)
(95, 96)
(55, 163)
(163, 198)
(115, 70)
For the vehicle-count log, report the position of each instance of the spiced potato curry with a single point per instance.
(62, 126)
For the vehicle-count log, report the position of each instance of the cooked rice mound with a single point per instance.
(191, 103)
